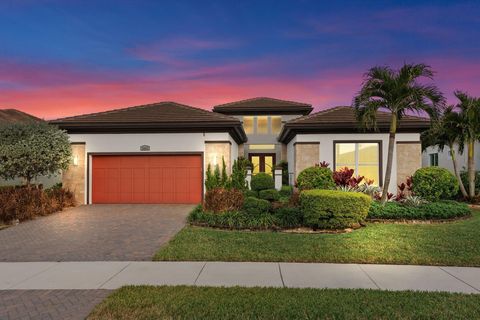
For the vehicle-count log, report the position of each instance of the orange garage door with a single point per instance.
(147, 179)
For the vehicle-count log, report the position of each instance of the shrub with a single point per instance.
(239, 173)
(333, 209)
(255, 207)
(221, 200)
(269, 194)
(286, 191)
(315, 178)
(289, 217)
(284, 165)
(434, 183)
(464, 177)
(262, 181)
(429, 211)
(250, 193)
(24, 203)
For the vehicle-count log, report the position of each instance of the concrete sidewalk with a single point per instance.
(113, 275)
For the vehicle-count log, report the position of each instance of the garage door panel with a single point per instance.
(147, 179)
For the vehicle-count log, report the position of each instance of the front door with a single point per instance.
(262, 162)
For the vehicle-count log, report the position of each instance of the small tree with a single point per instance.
(30, 150)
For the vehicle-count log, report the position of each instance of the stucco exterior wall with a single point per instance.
(445, 161)
(326, 150)
(73, 178)
(158, 142)
(306, 155)
(409, 160)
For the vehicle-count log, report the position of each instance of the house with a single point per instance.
(158, 153)
(432, 156)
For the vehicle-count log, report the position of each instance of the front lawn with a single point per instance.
(282, 303)
(455, 243)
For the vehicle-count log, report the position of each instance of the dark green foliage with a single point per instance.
(434, 183)
(256, 207)
(232, 220)
(429, 211)
(333, 209)
(220, 200)
(262, 181)
(239, 173)
(464, 176)
(316, 178)
(224, 180)
(269, 194)
(286, 191)
(284, 165)
(220, 179)
(211, 181)
(250, 193)
(289, 217)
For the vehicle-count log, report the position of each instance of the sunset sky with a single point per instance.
(60, 58)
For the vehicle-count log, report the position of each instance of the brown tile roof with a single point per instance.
(263, 105)
(343, 119)
(13, 115)
(156, 117)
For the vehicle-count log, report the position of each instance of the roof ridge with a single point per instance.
(259, 98)
(317, 113)
(202, 110)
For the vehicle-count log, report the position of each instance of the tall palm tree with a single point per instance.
(469, 113)
(447, 132)
(399, 92)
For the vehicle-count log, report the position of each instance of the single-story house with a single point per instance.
(158, 153)
(432, 156)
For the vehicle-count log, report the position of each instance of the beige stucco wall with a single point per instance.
(306, 155)
(73, 178)
(214, 151)
(409, 160)
(241, 150)
(284, 152)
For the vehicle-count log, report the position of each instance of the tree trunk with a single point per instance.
(457, 173)
(391, 146)
(471, 169)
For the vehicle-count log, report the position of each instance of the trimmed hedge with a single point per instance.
(269, 194)
(256, 207)
(430, 211)
(434, 184)
(333, 209)
(262, 181)
(250, 193)
(316, 178)
(286, 191)
(289, 217)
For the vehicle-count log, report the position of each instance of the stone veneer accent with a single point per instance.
(409, 159)
(214, 151)
(306, 155)
(283, 155)
(73, 178)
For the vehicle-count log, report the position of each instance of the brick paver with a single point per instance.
(49, 304)
(94, 233)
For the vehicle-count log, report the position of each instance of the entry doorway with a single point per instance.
(262, 162)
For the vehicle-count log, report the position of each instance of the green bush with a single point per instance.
(464, 177)
(256, 207)
(232, 220)
(333, 209)
(269, 194)
(430, 211)
(289, 217)
(316, 178)
(286, 191)
(250, 193)
(262, 181)
(434, 183)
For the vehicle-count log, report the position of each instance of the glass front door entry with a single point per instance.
(262, 162)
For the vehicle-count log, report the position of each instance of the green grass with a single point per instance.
(281, 303)
(455, 243)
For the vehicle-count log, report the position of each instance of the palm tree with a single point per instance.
(469, 125)
(399, 92)
(447, 132)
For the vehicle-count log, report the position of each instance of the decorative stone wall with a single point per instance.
(214, 151)
(306, 155)
(409, 159)
(73, 178)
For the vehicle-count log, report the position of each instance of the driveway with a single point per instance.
(94, 233)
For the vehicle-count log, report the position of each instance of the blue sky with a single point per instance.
(60, 58)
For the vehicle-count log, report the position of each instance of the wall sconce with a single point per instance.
(75, 160)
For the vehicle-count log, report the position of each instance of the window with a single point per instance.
(363, 157)
(433, 159)
(262, 125)
(276, 124)
(248, 125)
(261, 146)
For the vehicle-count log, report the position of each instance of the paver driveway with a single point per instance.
(94, 233)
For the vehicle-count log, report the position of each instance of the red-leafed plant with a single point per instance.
(404, 189)
(344, 177)
(390, 196)
(220, 200)
(323, 164)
